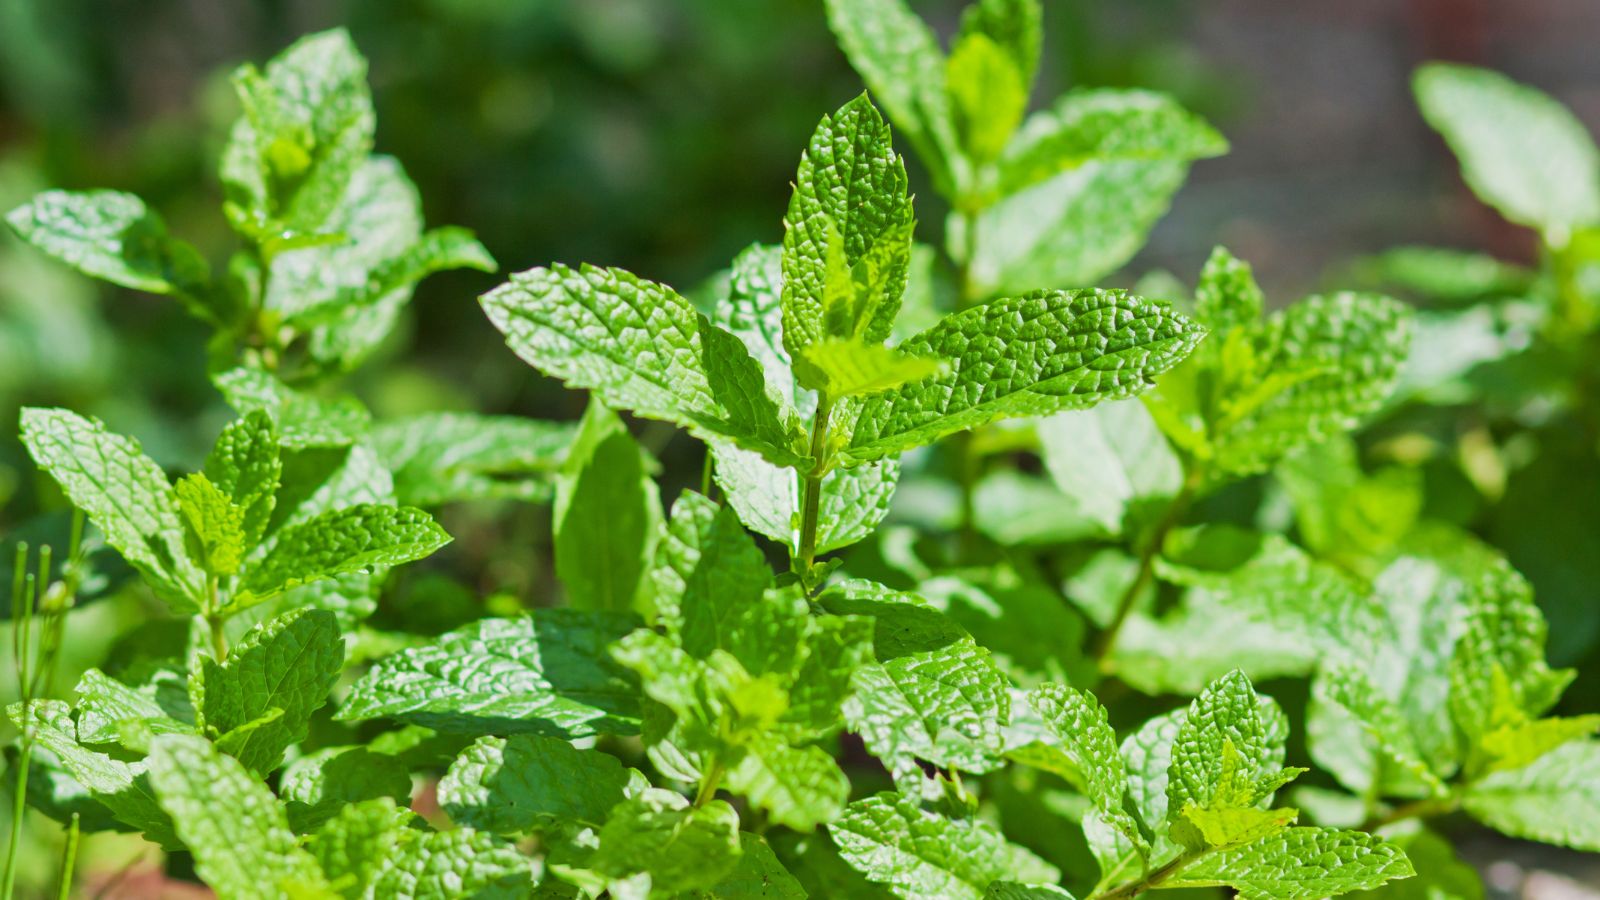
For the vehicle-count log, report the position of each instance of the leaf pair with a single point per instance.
(214, 525)
(1261, 388)
(1187, 796)
(1462, 722)
(1065, 198)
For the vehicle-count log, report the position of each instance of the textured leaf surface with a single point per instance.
(302, 420)
(233, 825)
(122, 491)
(849, 210)
(1074, 229)
(920, 854)
(112, 235)
(517, 784)
(317, 786)
(1110, 459)
(898, 57)
(640, 346)
(1080, 725)
(988, 94)
(357, 842)
(947, 705)
(213, 527)
(1033, 355)
(799, 787)
(307, 127)
(759, 874)
(1555, 799)
(1521, 151)
(287, 665)
(1104, 126)
(342, 542)
(606, 516)
(1226, 713)
(1350, 347)
(449, 865)
(105, 704)
(123, 787)
(547, 673)
(440, 458)
(245, 465)
(682, 848)
(1301, 864)
(710, 577)
(768, 498)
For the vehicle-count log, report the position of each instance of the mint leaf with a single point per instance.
(107, 707)
(1011, 890)
(440, 458)
(682, 848)
(710, 578)
(641, 347)
(244, 465)
(1032, 355)
(213, 527)
(355, 845)
(1554, 799)
(847, 234)
(1498, 667)
(1079, 723)
(527, 782)
(1227, 713)
(234, 826)
(1521, 151)
(302, 421)
(288, 666)
(921, 854)
(798, 787)
(1346, 350)
(1440, 273)
(1382, 719)
(898, 56)
(123, 787)
(1073, 229)
(934, 694)
(1300, 864)
(342, 542)
(113, 236)
(607, 513)
(122, 491)
(547, 673)
(988, 94)
(1227, 295)
(317, 786)
(434, 865)
(759, 874)
(1111, 459)
(307, 128)
(768, 498)
(1013, 25)
(1100, 126)
(849, 368)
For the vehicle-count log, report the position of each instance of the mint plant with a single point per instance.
(787, 682)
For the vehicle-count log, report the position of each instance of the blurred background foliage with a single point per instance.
(661, 136)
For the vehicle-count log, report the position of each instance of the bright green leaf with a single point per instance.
(606, 516)
(344, 541)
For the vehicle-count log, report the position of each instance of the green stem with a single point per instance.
(1152, 880)
(216, 622)
(709, 783)
(966, 458)
(1426, 808)
(69, 861)
(1147, 560)
(811, 502)
(19, 807)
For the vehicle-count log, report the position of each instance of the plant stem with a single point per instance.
(1425, 808)
(19, 807)
(811, 503)
(69, 861)
(1152, 880)
(966, 457)
(1147, 562)
(23, 596)
(709, 783)
(215, 621)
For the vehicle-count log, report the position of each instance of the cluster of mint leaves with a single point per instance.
(674, 728)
